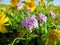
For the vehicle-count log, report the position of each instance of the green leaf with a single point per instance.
(31, 36)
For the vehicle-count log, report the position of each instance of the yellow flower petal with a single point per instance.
(5, 20)
(3, 30)
(6, 24)
(2, 16)
(33, 8)
(29, 0)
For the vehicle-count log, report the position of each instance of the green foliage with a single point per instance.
(17, 34)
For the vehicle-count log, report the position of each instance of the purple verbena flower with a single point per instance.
(52, 14)
(42, 18)
(30, 22)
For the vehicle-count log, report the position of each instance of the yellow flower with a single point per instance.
(55, 34)
(30, 5)
(52, 37)
(3, 20)
(14, 2)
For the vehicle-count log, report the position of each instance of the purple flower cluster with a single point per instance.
(30, 22)
(52, 14)
(42, 18)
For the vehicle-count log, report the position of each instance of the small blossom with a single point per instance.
(42, 17)
(30, 22)
(52, 14)
(19, 5)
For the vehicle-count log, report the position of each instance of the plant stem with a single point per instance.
(17, 39)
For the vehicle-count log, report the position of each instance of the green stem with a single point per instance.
(17, 39)
(20, 38)
(45, 28)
